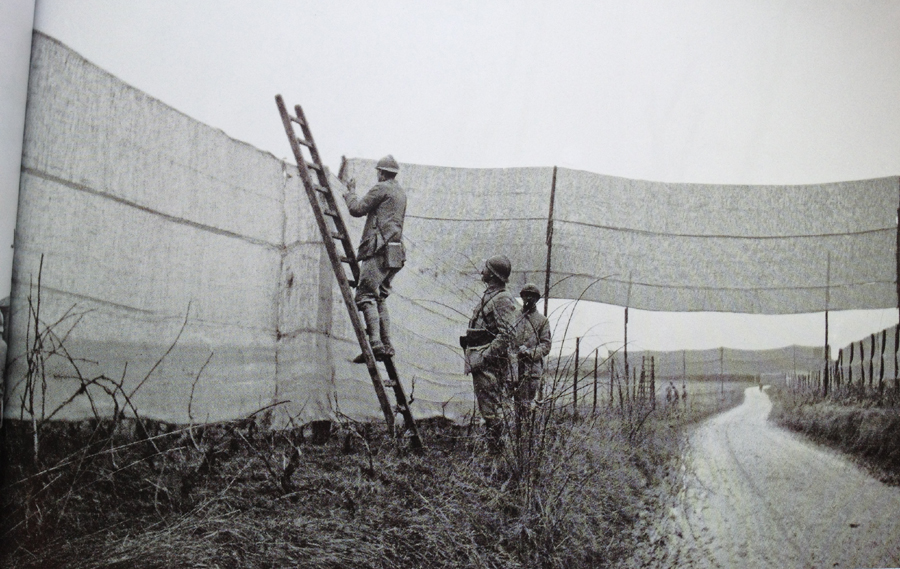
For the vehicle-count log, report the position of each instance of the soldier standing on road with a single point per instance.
(381, 254)
(533, 345)
(488, 346)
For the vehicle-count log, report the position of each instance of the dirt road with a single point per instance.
(755, 495)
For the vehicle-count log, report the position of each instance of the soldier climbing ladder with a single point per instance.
(324, 206)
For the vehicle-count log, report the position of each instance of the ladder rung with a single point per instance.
(314, 166)
(331, 213)
(321, 189)
(345, 260)
(305, 143)
(337, 235)
(296, 120)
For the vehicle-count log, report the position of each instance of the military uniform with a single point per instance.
(380, 254)
(491, 361)
(385, 208)
(532, 332)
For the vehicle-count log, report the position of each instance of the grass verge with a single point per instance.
(236, 494)
(859, 426)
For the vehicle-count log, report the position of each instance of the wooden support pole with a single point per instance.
(652, 382)
(596, 364)
(881, 368)
(642, 389)
(872, 363)
(850, 367)
(612, 377)
(839, 369)
(575, 378)
(549, 240)
(625, 345)
(896, 349)
(827, 302)
(862, 365)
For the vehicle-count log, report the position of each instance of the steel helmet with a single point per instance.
(388, 164)
(530, 289)
(499, 266)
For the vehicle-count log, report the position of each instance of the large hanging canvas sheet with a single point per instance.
(658, 246)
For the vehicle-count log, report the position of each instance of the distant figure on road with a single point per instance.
(488, 346)
(671, 395)
(381, 254)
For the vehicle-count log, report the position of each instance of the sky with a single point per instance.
(698, 91)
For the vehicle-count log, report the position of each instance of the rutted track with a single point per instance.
(755, 495)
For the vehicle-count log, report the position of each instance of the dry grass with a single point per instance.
(239, 495)
(860, 426)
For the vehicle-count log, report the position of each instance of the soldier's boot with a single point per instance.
(384, 322)
(373, 330)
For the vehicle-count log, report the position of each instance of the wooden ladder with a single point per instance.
(334, 230)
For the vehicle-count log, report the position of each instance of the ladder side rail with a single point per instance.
(338, 270)
(349, 252)
(402, 404)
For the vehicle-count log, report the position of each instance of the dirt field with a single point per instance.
(753, 495)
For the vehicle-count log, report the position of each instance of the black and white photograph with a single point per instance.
(492, 284)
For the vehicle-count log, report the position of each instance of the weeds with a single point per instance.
(566, 490)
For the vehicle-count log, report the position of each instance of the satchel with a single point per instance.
(395, 255)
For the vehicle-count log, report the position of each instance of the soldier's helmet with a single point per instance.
(530, 290)
(499, 266)
(388, 164)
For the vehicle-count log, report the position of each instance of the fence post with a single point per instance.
(839, 369)
(634, 383)
(612, 375)
(896, 349)
(850, 368)
(653, 382)
(575, 379)
(872, 363)
(625, 345)
(826, 374)
(881, 368)
(596, 363)
(862, 366)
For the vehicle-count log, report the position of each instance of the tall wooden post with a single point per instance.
(881, 368)
(862, 365)
(625, 346)
(642, 390)
(596, 364)
(872, 363)
(850, 367)
(612, 376)
(549, 240)
(652, 382)
(827, 302)
(896, 349)
(839, 369)
(575, 378)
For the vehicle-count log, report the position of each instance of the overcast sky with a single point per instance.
(749, 92)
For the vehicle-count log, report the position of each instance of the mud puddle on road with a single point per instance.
(750, 494)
